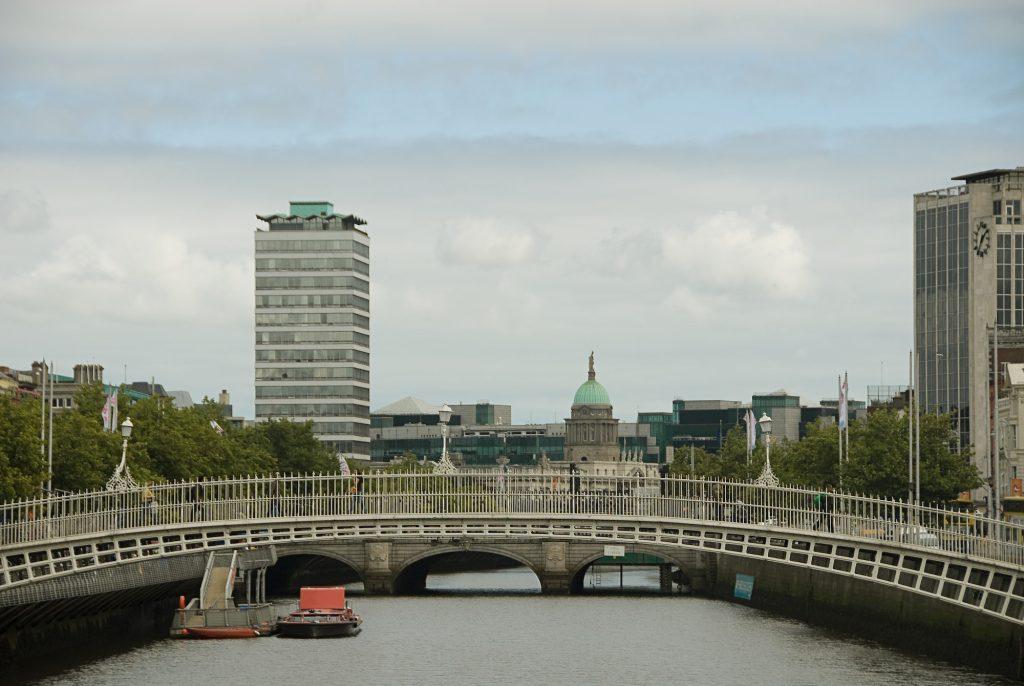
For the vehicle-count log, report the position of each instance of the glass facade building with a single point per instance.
(312, 327)
(941, 304)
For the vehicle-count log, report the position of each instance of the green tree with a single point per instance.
(84, 455)
(22, 467)
(295, 448)
(408, 463)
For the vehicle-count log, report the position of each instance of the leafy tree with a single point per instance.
(84, 455)
(22, 467)
(295, 448)
(408, 463)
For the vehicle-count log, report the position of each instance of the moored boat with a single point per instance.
(323, 613)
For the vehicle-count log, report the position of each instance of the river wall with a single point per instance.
(70, 633)
(889, 615)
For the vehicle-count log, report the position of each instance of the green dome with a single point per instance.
(591, 393)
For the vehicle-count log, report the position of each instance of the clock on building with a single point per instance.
(982, 239)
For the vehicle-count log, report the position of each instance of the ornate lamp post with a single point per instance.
(767, 477)
(444, 465)
(122, 480)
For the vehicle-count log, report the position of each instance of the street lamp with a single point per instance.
(767, 477)
(444, 465)
(122, 480)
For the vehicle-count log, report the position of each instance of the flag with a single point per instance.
(216, 427)
(343, 465)
(105, 413)
(751, 429)
(843, 411)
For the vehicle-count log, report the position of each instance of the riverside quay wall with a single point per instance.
(885, 613)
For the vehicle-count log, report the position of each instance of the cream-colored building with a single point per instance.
(968, 275)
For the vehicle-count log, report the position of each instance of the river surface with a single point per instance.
(494, 628)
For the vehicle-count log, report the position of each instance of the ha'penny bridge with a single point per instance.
(921, 576)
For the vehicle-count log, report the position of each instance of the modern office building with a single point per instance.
(313, 323)
(968, 275)
(482, 413)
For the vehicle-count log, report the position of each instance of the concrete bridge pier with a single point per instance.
(377, 576)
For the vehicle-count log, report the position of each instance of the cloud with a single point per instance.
(152, 278)
(22, 213)
(735, 253)
(485, 242)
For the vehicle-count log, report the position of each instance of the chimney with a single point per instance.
(224, 398)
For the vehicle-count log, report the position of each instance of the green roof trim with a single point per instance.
(310, 208)
(591, 393)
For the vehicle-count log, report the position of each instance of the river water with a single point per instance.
(493, 627)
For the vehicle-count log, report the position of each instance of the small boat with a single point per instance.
(323, 613)
(228, 631)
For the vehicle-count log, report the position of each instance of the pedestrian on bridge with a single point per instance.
(825, 504)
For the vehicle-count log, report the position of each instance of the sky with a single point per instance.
(714, 197)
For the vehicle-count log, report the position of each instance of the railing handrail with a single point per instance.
(42, 519)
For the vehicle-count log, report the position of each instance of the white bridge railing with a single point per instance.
(470, 493)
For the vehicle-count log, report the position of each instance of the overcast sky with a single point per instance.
(715, 197)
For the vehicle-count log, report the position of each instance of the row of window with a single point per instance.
(313, 410)
(287, 337)
(312, 319)
(314, 300)
(314, 355)
(311, 264)
(313, 246)
(353, 282)
(355, 447)
(345, 392)
(304, 373)
(350, 428)
(332, 391)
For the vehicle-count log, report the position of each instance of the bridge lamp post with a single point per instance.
(121, 479)
(767, 477)
(444, 465)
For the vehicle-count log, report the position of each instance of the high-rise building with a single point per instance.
(313, 323)
(968, 275)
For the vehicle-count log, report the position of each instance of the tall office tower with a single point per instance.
(968, 275)
(313, 323)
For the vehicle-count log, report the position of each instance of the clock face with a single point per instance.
(982, 239)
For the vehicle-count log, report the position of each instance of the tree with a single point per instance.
(22, 466)
(295, 448)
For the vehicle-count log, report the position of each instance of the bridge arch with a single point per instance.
(412, 576)
(685, 565)
(310, 565)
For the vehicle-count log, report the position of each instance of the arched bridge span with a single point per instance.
(858, 553)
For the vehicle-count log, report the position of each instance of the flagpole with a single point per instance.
(846, 400)
(910, 428)
(49, 458)
(42, 418)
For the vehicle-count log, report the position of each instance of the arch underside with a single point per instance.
(304, 567)
(38, 572)
(412, 576)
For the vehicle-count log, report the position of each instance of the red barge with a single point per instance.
(323, 613)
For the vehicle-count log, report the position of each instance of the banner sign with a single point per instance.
(615, 551)
(744, 588)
